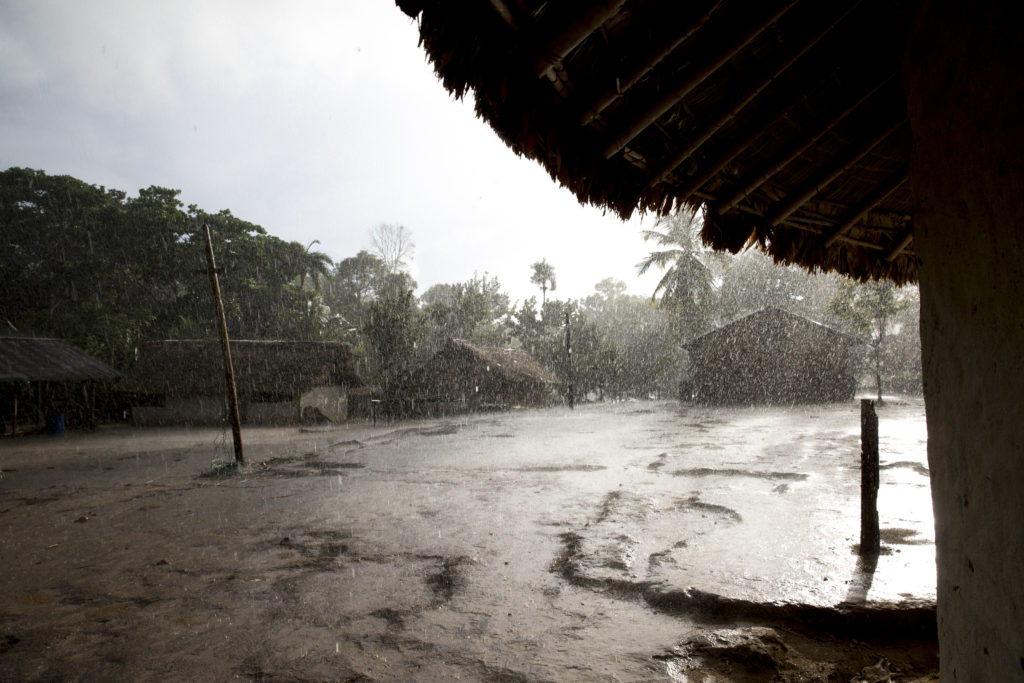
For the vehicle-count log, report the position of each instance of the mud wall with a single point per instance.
(965, 97)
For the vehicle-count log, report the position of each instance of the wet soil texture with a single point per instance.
(619, 542)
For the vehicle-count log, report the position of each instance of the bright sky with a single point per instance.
(314, 119)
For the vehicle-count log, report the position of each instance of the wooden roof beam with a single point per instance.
(564, 41)
(842, 238)
(672, 97)
(747, 98)
(727, 157)
(838, 168)
(903, 244)
(644, 66)
(890, 185)
(502, 8)
(806, 142)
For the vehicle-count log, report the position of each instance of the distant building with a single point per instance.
(62, 376)
(463, 376)
(772, 356)
(278, 382)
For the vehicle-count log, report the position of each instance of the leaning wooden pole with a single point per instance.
(870, 537)
(229, 372)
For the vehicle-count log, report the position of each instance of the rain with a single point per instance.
(451, 485)
(461, 478)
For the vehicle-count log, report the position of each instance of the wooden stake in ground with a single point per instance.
(870, 538)
(229, 371)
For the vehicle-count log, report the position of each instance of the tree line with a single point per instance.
(107, 271)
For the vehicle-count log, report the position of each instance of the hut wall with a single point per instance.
(269, 412)
(174, 411)
(461, 380)
(771, 358)
(965, 94)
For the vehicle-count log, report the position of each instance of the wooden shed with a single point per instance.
(772, 356)
(278, 382)
(877, 139)
(463, 376)
(62, 376)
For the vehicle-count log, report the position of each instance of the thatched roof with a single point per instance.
(758, 325)
(25, 359)
(262, 368)
(785, 119)
(512, 365)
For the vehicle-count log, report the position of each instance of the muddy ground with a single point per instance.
(621, 542)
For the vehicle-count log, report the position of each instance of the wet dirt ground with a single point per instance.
(641, 541)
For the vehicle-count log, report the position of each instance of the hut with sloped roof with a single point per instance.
(877, 139)
(772, 356)
(64, 380)
(464, 376)
(278, 382)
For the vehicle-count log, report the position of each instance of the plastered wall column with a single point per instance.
(962, 74)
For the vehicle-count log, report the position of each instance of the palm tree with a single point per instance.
(687, 288)
(315, 265)
(544, 277)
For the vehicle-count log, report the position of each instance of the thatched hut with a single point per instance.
(278, 382)
(772, 356)
(463, 376)
(877, 139)
(57, 370)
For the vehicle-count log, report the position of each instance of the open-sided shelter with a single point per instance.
(772, 356)
(47, 363)
(277, 382)
(464, 376)
(878, 139)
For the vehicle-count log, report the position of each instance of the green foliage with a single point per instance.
(752, 281)
(687, 288)
(475, 310)
(393, 329)
(621, 344)
(544, 277)
(106, 271)
(870, 310)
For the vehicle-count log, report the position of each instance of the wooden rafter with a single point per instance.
(886, 188)
(507, 16)
(805, 143)
(834, 170)
(672, 97)
(745, 99)
(644, 66)
(726, 157)
(563, 41)
(901, 246)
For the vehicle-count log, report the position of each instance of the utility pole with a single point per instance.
(229, 371)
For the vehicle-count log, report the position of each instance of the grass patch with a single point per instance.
(220, 468)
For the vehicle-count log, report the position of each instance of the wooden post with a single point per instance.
(870, 538)
(229, 371)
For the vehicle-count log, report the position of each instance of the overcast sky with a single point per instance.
(316, 120)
